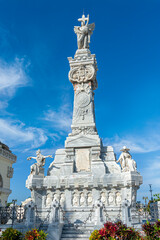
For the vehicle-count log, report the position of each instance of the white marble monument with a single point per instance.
(86, 181)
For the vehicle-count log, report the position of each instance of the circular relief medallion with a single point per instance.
(83, 99)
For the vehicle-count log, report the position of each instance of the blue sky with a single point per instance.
(36, 97)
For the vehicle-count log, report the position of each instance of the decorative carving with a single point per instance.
(83, 99)
(75, 200)
(84, 32)
(103, 197)
(84, 130)
(10, 172)
(111, 198)
(80, 113)
(82, 199)
(126, 161)
(118, 198)
(62, 198)
(82, 74)
(56, 198)
(48, 199)
(89, 199)
(7, 154)
(85, 87)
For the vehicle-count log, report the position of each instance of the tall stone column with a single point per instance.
(83, 77)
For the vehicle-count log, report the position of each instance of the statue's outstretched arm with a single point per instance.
(29, 158)
(87, 20)
(119, 159)
(49, 156)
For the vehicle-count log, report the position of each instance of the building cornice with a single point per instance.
(7, 154)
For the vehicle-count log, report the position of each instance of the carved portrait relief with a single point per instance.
(56, 197)
(118, 198)
(48, 199)
(75, 200)
(82, 199)
(89, 199)
(62, 198)
(110, 198)
(103, 197)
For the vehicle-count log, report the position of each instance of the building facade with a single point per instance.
(7, 158)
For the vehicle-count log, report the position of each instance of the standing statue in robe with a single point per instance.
(84, 32)
(35, 168)
(126, 161)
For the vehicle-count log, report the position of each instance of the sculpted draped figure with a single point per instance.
(126, 161)
(35, 168)
(84, 32)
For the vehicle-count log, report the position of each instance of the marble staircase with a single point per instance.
(73, 233)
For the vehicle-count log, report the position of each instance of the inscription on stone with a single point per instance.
(82, 159)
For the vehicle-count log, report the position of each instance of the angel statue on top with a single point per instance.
(84, 32)
(36, 167)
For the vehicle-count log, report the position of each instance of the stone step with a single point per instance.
(80, 228)
(75, 235)
(70, 232)
(75, 238)
(77, 232)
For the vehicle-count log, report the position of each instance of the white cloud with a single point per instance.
(149, 141)
(60, 120)
(12, 132)
(12, 76)
(15, 134)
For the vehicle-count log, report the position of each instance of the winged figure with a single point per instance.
(84, 32)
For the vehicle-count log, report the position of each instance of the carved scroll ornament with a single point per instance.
(82, 74)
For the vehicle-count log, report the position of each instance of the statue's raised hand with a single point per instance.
(29, 158)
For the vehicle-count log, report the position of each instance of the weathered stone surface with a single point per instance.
(82, 161)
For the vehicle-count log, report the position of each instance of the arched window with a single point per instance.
(1, 181)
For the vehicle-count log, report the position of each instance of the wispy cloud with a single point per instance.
(13, 132)
(12, 76)
(148, 141)
(61, 119)
(16, 134)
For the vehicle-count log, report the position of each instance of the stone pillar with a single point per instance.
(54, 214)
(30, 215)
(126, 215)
(97, 217)
(83, 77)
